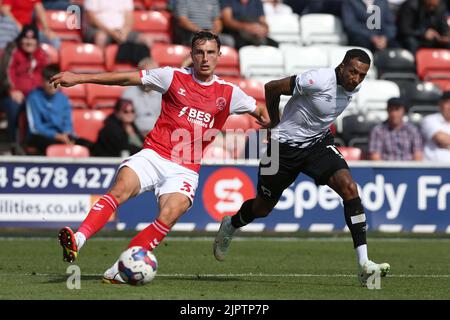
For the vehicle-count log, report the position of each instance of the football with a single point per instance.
(137, 266)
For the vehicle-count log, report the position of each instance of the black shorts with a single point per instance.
(319, 161)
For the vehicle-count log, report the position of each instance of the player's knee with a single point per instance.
(349, 189)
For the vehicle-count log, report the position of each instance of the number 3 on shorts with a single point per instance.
(186, 187)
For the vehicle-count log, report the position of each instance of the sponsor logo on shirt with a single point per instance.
(182, 92)
(198, 117)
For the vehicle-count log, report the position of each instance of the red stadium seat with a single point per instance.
(67, 150)
(51, 52)
(77, 95)
(228, 64)
(350, 153)
(253, 88)
(99, 96)
(433, 65)
(110, 60)
(88, 123)
(237, 121)
(58, 21)
(81, 57)
(153, 23)
(447, 86)
(157, 4)
(172, 55)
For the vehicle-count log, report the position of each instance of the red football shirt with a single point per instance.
(22, 10)
(192, 112)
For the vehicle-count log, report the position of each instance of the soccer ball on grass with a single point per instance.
(137, 266)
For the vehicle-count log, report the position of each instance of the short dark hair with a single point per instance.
(359, 54)
(49, 71)
(204, 35)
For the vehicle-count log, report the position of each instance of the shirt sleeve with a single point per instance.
(128, 5)
(67, 117)
(181, 9)
(307, 82)
(241, 102)
(158, 79)
(429, 127)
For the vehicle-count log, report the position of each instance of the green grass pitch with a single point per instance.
(256, 268)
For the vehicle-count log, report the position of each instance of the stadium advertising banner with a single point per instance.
(44, 193)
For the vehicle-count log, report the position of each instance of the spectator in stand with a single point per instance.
(276, 7)
(298, 6)
(21, 12)
(49, 116)
(8, 31)
(119, 137)
(196, 15)
(324, 6)
(146, 102)
(423, 24)
(356, 14)
(395, 5)
(436, 131)
(245, 21)
(112, 21)
(394, 139)
(23, 69)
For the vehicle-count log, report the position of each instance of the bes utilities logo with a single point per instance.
(198, 117)
(225, 191)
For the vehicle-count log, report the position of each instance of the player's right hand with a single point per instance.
(65, 79)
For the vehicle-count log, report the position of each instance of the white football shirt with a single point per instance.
(316, 102)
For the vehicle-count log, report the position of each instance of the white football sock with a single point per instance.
(80, 239)
(361, 253)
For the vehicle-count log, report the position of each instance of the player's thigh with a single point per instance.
(126, 185)
(323, 161)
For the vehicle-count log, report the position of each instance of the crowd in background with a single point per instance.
(25, 69)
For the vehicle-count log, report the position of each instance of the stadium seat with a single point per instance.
(434, 65)
(422, 99)
(110, 60)
(262, 63)
(393, 64)
(374, 94)
(284, 28)
(236, 122)
(153, 23)
(77, 95)
(67, 150)
(337, 53)
(321, 28)
(299, 59)
(350, 153)
(51, 52)
(423, 94)
(88, 123)
(158, 4)
(81, 57)
(355, 126)
(172, 55)
(254, 89)
(228, 64)
(58, 21)
(99, 96)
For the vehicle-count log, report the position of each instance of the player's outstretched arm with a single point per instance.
(273, 90)
(69, 79)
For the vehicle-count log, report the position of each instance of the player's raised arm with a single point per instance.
(69, 79)
(273, 90)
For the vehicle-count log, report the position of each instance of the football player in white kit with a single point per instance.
(307, 145)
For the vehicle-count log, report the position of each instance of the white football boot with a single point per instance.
(223, 238)
(369, 268)
(112, 275)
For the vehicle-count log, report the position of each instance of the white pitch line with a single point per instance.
(241, 275)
